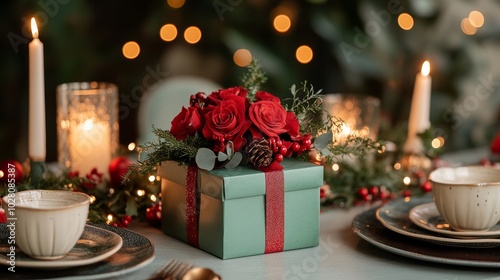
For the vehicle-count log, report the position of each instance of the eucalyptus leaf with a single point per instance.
(322, 141)
(221, 156)
(325, 152)
(205, 159)
(237, 157)
(293, 89)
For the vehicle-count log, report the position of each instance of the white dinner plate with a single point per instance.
(427, 217)
(94, 245)
(395, 216)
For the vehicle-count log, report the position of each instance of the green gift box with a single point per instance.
(231, 207)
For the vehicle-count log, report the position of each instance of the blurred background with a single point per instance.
(365, 47)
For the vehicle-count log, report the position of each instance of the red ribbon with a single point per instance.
(275, 211)
(191, 213)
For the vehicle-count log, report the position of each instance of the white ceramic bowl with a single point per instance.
(468, 198)
(49, 222)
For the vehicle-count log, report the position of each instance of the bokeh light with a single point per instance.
(242, 57)
(192, 34)
(437, 142)
(168, 32)
(282, 23)
(397, 166)
(407, 180)
(176, 3)
(476, 19)
(467, 27)
(304, 54)
(131, 50)
(405, 21)
(335, 167)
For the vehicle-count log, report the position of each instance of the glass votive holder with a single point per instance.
(87, 126)
(360, 113)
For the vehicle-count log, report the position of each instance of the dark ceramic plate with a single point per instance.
(370, 229)
(136, 252)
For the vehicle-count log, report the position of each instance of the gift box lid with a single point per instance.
(239, 182)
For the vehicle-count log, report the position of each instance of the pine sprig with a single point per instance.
(167, 147)
(253, 79)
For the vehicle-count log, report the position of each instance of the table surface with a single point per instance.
(341, 255)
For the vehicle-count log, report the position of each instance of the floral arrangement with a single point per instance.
(246, 125)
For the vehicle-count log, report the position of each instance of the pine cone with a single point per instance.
(259, 153)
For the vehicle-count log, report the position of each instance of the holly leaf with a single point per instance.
(205, 159)
(235, 161)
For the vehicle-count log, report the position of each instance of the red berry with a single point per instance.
(406, 193)
(127, 217)
(363, 192)
(374, 190)
(125, 223)
(279, 143)
(279, 157)
(368, 197)
(306, 142)
(295, 146)
(283, 150)
(115, 224)
(427, 186)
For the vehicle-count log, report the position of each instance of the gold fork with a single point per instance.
(172, 270)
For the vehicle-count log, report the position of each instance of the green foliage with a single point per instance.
(254, 78)
(167, 147)
(117, 201)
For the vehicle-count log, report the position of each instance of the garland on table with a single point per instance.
(379, 177)
(112, 202)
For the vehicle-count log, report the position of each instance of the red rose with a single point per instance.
(262, 95)
(226, 122)
(216, 97)
(187, 122)
(268, 115)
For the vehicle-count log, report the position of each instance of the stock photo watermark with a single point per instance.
(49, 9)
(11, 217)
(149, 82)
(463, 110)
(373, 27)
(224, 6)
(311, 264)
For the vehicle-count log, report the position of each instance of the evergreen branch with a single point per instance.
(253, 79)
(167, 147)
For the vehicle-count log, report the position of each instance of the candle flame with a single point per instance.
(34, 28)
(87, 125)
(426, 68)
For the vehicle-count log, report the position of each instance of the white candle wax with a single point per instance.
(36, 131)
(90, 147)
(420, 110)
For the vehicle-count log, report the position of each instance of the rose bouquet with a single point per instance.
(245, 125)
